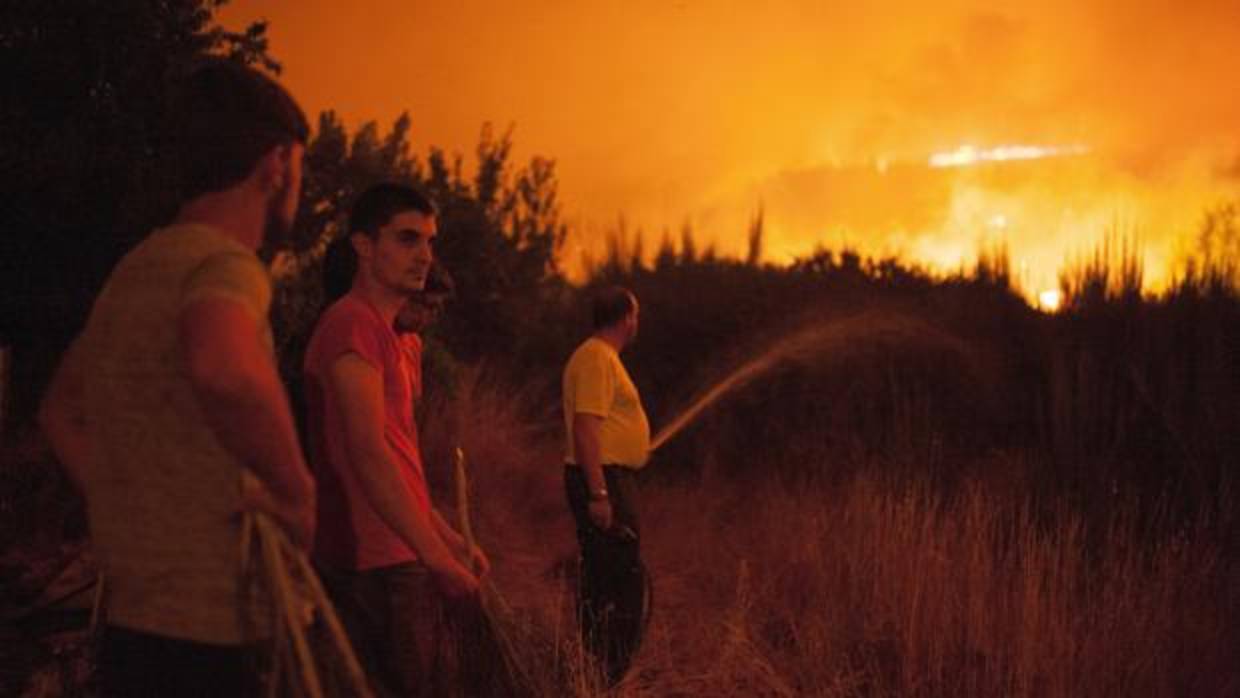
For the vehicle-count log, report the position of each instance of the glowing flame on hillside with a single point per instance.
(1050, 300)
(969, 155)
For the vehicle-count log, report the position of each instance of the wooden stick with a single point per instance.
(462, 506)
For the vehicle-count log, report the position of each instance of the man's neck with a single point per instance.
(234, 212)
(611, 336)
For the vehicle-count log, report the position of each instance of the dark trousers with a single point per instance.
(134, 664)
(410, 639)
(394, 619)
(611, 594)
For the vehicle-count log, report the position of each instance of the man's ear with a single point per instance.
(273, 168)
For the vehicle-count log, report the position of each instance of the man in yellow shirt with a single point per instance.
(608, 442)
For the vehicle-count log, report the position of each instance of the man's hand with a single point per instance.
(469, 555)
(586, 429)
(600, 513)
(478, 562)
(296, 520)
(456, 582)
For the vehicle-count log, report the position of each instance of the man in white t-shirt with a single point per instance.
(167, 411)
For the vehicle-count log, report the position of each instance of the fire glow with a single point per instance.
(970, 155)
(1050, 300)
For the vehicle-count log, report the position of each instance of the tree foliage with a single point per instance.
(82, 180)
(499, 233)
(82, 86)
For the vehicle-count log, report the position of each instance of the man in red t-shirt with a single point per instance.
(388, 558)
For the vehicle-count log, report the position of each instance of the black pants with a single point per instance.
(611, 594)
(394, 619)
(134, 664)
(411, 640)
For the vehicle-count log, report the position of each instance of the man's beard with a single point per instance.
(277, 232)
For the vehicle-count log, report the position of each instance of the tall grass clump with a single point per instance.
(1112, 271)
(880, 582)
(892, 588)
(507, 433)
(1212, 267)
(1140, 389)
(484, 430)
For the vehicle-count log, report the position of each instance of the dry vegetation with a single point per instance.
(928, 490)
(1026, 506)
(873, 586)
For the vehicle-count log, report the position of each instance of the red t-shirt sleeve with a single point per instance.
(352, 331)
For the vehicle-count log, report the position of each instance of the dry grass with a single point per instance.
(872, 584)
(872, 587)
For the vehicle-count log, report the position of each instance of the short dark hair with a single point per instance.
(376, 206)
(339, 268)
(611, 305)
(224, 117)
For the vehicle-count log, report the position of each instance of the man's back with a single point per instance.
(595, 382)
(164, 493)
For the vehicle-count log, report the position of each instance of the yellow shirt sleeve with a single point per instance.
(231, 276)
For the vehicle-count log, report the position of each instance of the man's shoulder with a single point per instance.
(591, 354)
(594, 345)
(185, 247)
(347, 325)
(193, 239)
(176, 264)
(581, 350)
(347, 312)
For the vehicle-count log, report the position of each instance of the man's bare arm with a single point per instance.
(586, 448)
(235, 380)
(450, 536)
(63, 418)
(359, 388)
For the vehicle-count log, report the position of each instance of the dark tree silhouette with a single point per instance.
(82, 88)
(499, 236)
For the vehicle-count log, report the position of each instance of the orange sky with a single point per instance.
(683, 110)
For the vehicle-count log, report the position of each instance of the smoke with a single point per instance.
(1129, 110)
(824, 113)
